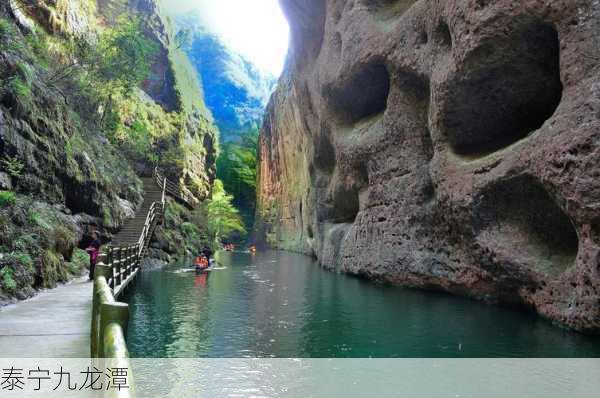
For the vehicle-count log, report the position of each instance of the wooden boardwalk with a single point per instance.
(53, 324)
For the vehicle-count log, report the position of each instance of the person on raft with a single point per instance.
(201, 263)
(206, 252)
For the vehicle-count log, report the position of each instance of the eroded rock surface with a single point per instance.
(448, 145)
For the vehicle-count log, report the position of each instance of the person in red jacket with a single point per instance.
(94, 252)
(201, 263)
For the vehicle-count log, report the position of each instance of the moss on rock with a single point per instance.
(38, 246)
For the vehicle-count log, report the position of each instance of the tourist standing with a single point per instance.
(94, 252)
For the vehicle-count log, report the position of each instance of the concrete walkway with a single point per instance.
(53, 324)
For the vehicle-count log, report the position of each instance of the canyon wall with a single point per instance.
(448, 145)
(66, 172)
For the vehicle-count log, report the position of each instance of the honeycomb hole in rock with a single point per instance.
(346, 205)
(507, 88)
(346, 195)
(442, 35)
(521, 222)
(362, 95)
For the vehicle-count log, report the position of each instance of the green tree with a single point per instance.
(223, 218)
(118, 63)
(236, 167)
(123, 56)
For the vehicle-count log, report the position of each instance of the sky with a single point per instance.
(256, 29)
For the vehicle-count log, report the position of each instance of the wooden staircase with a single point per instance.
(132, 230)
(119, 264)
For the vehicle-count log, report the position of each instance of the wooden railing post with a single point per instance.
(131, 267)
(132, 257)
(119, 278)
(129, 260)
(125, 265)
(109, 262)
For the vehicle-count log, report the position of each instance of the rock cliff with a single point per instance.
(447, 145)
(62, 174)
(236, 91)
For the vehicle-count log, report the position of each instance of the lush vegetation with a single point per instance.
(118, 63)
(223, 218)
(215, 221)
(100, 81)
(7, 198)
(184, 232)
(104, 77)
(236, 167)
(73, 93)
(84, 102)
(38, 246)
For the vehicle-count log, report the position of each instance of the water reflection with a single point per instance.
(279, 304)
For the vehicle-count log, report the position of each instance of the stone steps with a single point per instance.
(131, 231)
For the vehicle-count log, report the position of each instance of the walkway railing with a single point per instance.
(116, 269)
(175, 190)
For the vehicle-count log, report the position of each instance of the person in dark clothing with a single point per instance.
(207, 253)
(94, 252)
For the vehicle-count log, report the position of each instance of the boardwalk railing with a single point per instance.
(155, 216)
(175, 190)
(116, 269)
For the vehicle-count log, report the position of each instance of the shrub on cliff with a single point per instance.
(121, 60)
(16, 274)
(12, 165)
(37, 246)
(9, 37)
(183, 232)
(7, 198)
(143, 129)
(8, 282)
(223, 218)
(236, 167)
(79, 262)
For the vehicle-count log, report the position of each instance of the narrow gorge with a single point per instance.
(302, 179)
(442, 145)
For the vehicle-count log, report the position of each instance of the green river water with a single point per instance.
(278, 304)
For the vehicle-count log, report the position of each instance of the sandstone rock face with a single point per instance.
(449, 145)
